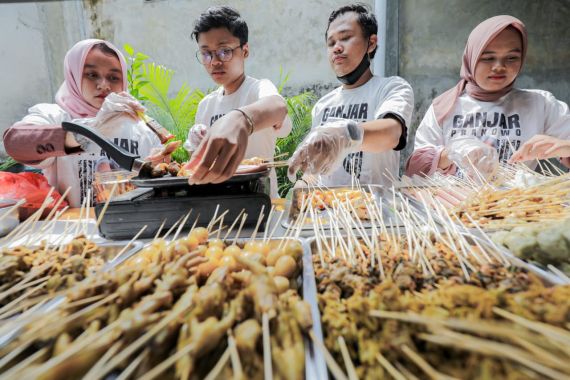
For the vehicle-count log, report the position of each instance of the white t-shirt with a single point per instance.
(78, 170)
(505, 124)
(373, 100)
(261, 143)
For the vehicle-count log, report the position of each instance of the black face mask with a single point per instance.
(354, 75)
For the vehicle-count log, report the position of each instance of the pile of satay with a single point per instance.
(425, 297)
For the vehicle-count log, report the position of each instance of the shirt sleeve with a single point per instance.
(266, 88)
(398, 99)
(428, 147)
(314, 113)
(557, 123)
(284, 128)
(38, 137)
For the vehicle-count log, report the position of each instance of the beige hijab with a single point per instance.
(478, 40)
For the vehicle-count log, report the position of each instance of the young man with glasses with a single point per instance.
(244, 116)
(360, 127)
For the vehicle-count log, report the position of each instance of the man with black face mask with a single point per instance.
(360, 127)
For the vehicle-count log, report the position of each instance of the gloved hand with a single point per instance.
(158, 155)
(195, 137)
(117, 105)
(325, 147)
(474, 157)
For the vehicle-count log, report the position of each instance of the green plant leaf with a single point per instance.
(129, 49)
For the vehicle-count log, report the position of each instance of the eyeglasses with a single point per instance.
(224, 54)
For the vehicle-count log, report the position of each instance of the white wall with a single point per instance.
(35, 36)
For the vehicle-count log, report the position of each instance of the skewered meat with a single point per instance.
(158, 290)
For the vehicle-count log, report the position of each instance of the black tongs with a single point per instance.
(123, 158)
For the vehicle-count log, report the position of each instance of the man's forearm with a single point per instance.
(381, 135)
(266, 112)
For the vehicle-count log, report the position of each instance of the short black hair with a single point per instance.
(366, 19)
(221, 17)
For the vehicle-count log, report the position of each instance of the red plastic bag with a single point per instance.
(32, 187)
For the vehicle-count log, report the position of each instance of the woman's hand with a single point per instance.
(117, 104)
(541, 147)
(444, 161)
(158, 155)
(473, 156)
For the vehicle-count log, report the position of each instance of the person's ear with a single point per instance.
(372, 43)
(245, 48)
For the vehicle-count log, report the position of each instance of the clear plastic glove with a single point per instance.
(325, 147)
(117, 105)
(474, 157)
(195, 137)
(158, 155)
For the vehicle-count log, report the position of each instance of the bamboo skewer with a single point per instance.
(215, 372)
(178, 310)
(233, 224)
(332, 365)
(259, 220)
(129, 244)
(268, 223)
(347, 361)
(389, 367)
(491, 348)
(244, 217)
(133, 365)
(234, 356)
(267, 364)
(94, 373)
(424, 365)
(12, 372)
(182, 224)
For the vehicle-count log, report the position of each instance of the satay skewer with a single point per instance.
(389, 367)
(37, 284)
(76, 348)
(127, 372)
(12, 208)
(259, 220)
(275, 226)
(234, 356)
(159, 230)
(193, 225)
(552, 332)
(331, 363)
(182, 224)
(176, 312)
(233, 224)
(267, 364)
(243, 218)
(27, 226)
(269, 219)
(215, 371)
(129, 243)
(13, 373)
(54, 210)
(424, 365)
(489, 347)
(106, 205)
(347, 361)
(213, 220)
(172, 228)
(94, 372)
